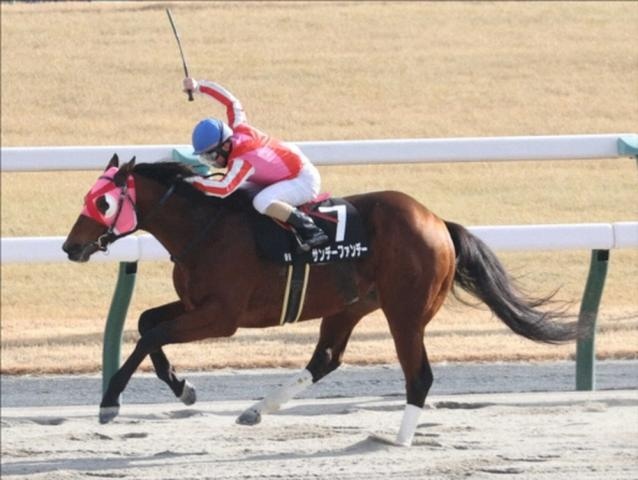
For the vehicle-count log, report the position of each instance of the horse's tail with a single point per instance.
(479, 272)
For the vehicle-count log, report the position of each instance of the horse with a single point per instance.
(222, 283)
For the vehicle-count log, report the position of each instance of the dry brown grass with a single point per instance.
(109, 73)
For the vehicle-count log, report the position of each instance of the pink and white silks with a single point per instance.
(280, 171)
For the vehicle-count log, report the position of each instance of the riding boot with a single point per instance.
(308, 233)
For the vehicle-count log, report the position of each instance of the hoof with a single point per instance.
(249, 417)
(189, 395)
(388, 441)
(108, 413)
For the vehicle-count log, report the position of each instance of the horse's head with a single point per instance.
(109, 212)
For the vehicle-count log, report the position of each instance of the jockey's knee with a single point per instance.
(279, 210)
(261, 204)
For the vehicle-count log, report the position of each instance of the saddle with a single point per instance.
(348, 242)
(335, 216)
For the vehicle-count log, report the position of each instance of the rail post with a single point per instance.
(585, 348)
(111, 349)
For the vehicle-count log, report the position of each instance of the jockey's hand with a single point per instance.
(189, 85)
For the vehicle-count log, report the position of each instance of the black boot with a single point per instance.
(308, 234)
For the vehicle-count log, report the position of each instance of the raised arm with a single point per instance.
(234, 109)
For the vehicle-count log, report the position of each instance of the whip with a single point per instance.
(181, 52)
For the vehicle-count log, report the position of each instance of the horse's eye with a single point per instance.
(107, 205)
(102, 204)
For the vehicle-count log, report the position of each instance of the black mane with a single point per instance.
(165, 173)
(173, 173)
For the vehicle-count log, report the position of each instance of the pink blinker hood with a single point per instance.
(120, 222)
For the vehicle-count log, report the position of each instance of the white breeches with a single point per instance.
(296, 191)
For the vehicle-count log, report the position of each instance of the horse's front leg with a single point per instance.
(204, 322)
(110, 406)
(182, 389)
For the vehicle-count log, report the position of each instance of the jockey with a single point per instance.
(284, 175)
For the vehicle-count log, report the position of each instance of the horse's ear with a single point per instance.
(123, 173)
(127, 168)
(115, 162)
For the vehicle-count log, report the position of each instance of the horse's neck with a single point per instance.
(171, 223)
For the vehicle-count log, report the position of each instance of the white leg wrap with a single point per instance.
(274, 400)
(408, 425)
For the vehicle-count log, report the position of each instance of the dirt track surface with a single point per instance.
(450, 378)
(563, 435)
(506, 428)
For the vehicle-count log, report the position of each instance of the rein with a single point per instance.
(104, 240)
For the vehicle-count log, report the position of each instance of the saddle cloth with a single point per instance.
(344, 227)
(335, 216)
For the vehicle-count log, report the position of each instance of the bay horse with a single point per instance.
(223, 284)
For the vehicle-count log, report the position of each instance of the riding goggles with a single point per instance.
(217, 156)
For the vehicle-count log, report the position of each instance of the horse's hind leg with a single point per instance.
(408, 311)
(407, 326)
(418, 380)
(333, 338)
(149, 319)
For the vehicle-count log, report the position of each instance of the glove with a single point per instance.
(190, 84)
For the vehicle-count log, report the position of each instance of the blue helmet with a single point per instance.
(208, 134)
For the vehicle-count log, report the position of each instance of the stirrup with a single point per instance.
(316, 241)
(304, 246)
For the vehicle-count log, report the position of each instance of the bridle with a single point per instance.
(126, 194)
(110, 236)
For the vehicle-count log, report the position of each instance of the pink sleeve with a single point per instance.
(234, 109)
(238, 174)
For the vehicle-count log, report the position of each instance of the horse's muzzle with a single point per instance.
(79, 253)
